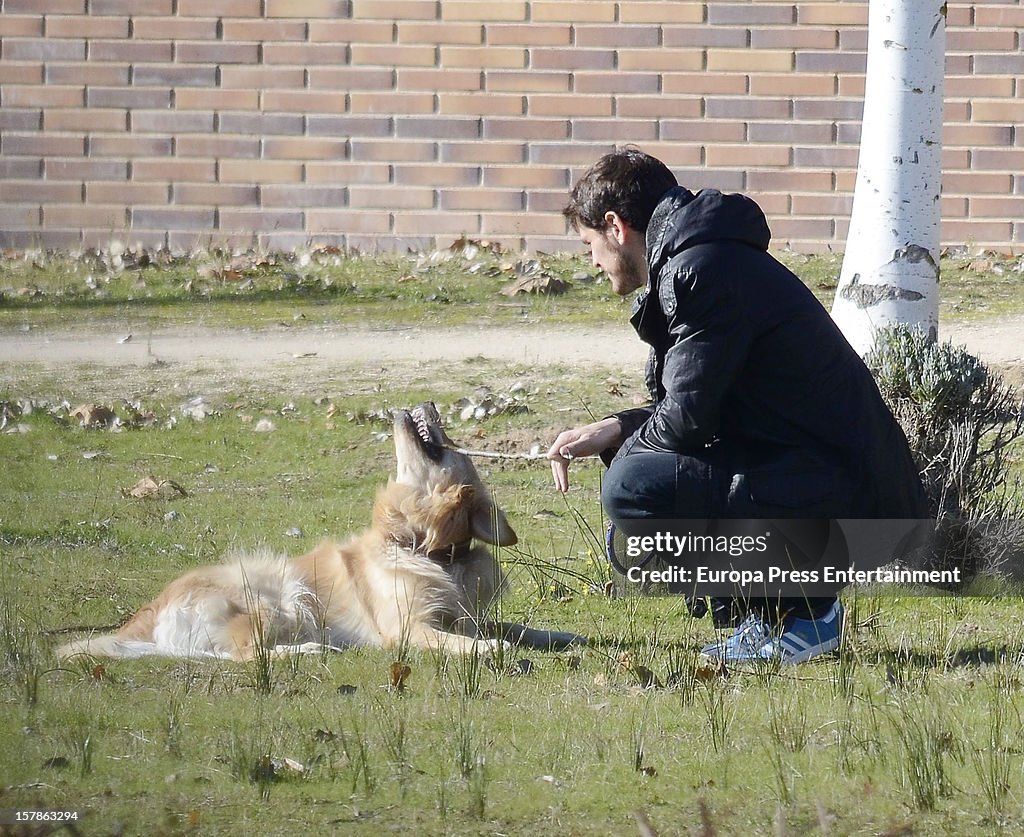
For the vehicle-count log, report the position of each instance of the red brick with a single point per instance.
(128, 97)
(466, 34)
(789, 181)
(970, 183)
(392, 150)
(174, 170)
(36, 144)
(192, 98)
(341, 173)
(436, 175)
(396, 9)
(528, 34)
(488, 57)
(264, 30)
(305, 54)
(41, 49)
(391, 103)
(133, 52)
(217, 53)
(172, 218)
(437, 127)
(531, 129)
(126, 194)
(668, 11)
(545, 58)
(303, 148)
(436, 223)
(21, 26)
(262, 78)
(492, 200)
(575, 11)
(14, 217)
(659, 107)
(396, 55)
(215, 194)
(569, 105)
(439, 80)
(619, 130)
(17, 96)
(832, 14)
(111, 218)
(175, 29)
(348, 126)
(978, 135)
(997, 207)
(261, 123)
(130, 146)
(522, 223)
(567, 153)
(483, 152)
(526, 177)
(135, 8)
(173, 75)
(527, 81)
(490, 104)
(991, 16)
(347, 221)
(259, 171)
(259, 220)
(509, 10)
(798, 85)
(304, 101)
(352, 31)
(89, 26)
(223, 9)
(705, 84)
(394, 197)
(618, 36)
(216, 145)
(353, 78)
(303, 196)
(85, 120)
(793, 37)
(37, 192)
(614, 82)
(170, 121)
(307, 8)
(20, 120)
(21, 74)
(103, 75)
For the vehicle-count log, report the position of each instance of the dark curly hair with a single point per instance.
(627, 182)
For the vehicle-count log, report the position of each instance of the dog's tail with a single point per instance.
(107, 645)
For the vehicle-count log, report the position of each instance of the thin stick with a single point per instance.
(493, 454)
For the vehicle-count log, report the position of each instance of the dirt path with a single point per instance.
(310, 352)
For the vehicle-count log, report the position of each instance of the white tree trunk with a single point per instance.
(890, 271)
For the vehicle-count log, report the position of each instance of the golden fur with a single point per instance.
(418, 576)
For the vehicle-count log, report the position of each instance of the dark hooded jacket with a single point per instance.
(744, 358)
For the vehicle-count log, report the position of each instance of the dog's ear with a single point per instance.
(488, 523)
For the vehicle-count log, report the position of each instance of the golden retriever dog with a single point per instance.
(420, 576)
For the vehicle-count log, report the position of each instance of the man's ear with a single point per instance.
(616, 227)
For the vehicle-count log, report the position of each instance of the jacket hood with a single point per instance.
(684, 219)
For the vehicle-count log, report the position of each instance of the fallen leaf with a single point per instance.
(709, 669)
(149, 487)
(399, 673)
(544, 285)
(94, 415)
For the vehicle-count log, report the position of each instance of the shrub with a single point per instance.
(960, 418)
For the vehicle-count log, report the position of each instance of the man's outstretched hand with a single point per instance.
(588, 440)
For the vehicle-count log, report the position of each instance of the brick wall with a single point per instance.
(384, 124)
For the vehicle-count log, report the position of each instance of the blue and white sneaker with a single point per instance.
(795, 641)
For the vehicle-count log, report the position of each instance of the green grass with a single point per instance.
(323, 286)
(915, 727)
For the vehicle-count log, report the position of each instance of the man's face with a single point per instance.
(620, 251)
